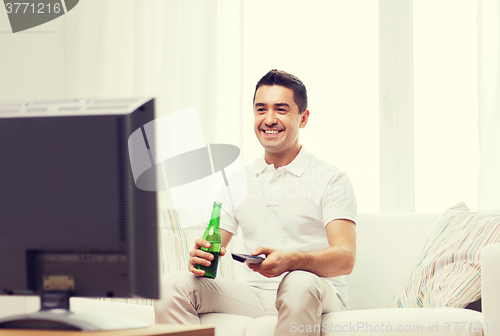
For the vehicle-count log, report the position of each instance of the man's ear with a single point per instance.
(304, 117)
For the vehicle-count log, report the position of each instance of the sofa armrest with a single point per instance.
(490, 289)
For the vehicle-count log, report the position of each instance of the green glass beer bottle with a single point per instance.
(213, 236)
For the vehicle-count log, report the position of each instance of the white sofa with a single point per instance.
(387, 247)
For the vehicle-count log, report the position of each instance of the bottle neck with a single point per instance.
(215, 218)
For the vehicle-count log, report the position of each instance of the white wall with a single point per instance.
(32, 62)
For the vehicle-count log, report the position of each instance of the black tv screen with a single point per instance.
(71, 217)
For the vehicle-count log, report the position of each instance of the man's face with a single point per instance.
(277, 119)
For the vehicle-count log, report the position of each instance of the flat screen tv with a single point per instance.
(72, 221)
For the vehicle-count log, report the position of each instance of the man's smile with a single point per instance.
(271, 132)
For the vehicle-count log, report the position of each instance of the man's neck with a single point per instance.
(281, 159)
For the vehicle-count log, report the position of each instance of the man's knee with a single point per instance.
(299, 281)
(299, 286)
(297, 290)
(176, 282)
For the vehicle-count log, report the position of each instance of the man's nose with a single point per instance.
(270, 118)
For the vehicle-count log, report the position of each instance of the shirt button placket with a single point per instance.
(272, 200)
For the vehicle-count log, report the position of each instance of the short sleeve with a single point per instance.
(339, 200)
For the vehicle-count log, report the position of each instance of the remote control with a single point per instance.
(247, 258)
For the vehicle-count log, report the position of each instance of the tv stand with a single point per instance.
(55, 314)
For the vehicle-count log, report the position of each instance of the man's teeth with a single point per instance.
(271, 132)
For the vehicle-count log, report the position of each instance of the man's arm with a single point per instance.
(337, 259)
(226, 238)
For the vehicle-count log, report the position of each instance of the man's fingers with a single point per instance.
(262, 250)
(253, 267)
(200, 257)
(200, 261)
(257, 250)
(201, 254)
(196, 271)
(194, 261)
(200, 242)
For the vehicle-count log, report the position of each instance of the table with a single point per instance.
(153, 330)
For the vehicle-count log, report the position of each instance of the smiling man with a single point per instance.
(300, 214)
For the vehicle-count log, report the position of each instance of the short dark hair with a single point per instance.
(282, 78)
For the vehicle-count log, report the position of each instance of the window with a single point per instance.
(445, 104)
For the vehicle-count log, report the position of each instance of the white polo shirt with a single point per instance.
(288, 208)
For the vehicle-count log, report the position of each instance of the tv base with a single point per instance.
(55, 314)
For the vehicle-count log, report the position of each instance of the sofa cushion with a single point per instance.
(447, 272)
(262, 326)
(227, 324)
(387, 245)
(410, 321)
(367, 322)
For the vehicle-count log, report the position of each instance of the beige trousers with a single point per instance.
(300, 300)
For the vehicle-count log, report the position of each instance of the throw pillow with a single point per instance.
(448, 271)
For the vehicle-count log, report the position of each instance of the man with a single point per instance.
(299, 213)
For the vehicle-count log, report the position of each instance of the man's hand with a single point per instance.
(198, 256)
(277, 262)
(337, 259)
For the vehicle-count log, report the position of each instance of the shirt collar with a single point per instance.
(297, 167)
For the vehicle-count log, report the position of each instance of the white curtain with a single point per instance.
(114, 48)
(183, 52)
(489, 103)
